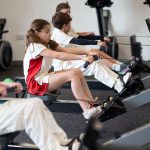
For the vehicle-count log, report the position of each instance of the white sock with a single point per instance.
(118, 86)
(116, 67)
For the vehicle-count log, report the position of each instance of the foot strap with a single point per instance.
(72, 141)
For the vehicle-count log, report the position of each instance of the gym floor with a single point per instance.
(73, 122)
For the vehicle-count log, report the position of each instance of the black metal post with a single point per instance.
(100, 18)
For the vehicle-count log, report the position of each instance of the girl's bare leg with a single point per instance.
(78, 85)
(86, 88)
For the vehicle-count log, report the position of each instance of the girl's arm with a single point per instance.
(72, 50)
(62, 55)
(78, 51)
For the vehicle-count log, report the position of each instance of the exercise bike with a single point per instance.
(6, 53)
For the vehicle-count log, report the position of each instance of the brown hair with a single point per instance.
(62, 6)
(60, 19)
(36, 25)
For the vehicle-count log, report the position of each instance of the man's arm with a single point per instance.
(85, 33)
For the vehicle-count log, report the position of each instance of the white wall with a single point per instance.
(127, 18)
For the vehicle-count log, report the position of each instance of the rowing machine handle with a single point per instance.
(95, 57)
(11, 89)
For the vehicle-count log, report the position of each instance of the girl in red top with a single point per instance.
(38, 59)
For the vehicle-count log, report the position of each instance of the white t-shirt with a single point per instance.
(60, 37)
(36, 66)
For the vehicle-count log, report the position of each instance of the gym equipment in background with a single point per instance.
(148, 23)
(48, 98)
(129, 98)
(6, 143)
(147, 2)
(103, 19)
(99, 4)
(136, 139)
(136, 51)
(5, 48)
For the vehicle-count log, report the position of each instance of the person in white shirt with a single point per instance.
(65, 8)
(37, 62)
(83, 38)
(31, 115)
(62, 24)
(110, 62)
(100, 71)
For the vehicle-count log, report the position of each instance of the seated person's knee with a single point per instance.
(76, 71)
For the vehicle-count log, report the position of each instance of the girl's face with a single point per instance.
(44, 34)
